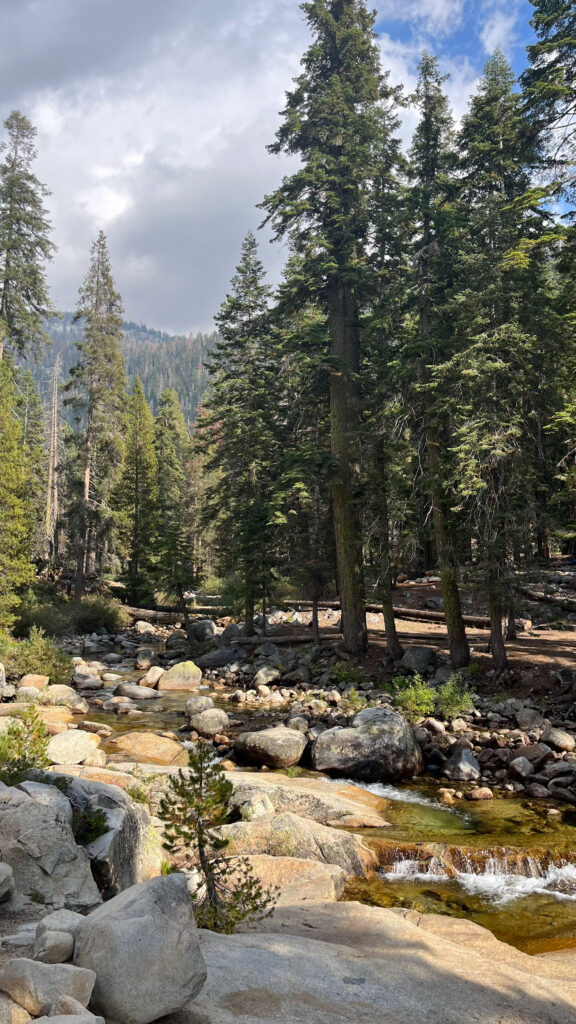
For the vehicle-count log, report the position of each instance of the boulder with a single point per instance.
(34, 985)
(298, 880)
(72, 747)
(217, 658)
(143, 627)
(152, 676)
(266, 675)
(277, 747)
(287, 835)
(33, 679)
(11, 1012)
(54, 947)
(136, 692)
(186, 675)
(559, 739)
(419, 659)
(145, 658)
(329, 803)
(210, 722)
(67, 697)
(148, 748)
(382, 750)
(61, 921)
(462, 767)
(521, 768)
(201, 631)
(7, 884)
(528, 718)
(195, 705)
(144, 949)
(36, 839)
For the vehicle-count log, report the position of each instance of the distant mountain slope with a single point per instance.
(161, 361)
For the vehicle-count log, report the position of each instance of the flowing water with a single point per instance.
(503, 863)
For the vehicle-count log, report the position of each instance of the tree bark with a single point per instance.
(249, 611)
(83, 526)
(395, 649)
(497, 645)
(457, 639)
(344, 424)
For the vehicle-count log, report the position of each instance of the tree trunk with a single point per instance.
(457, 639)
(249, 611)
(344, 431)
(395, 649)
(497, 645)
(83, 525)
(511, 633)
(315, 601)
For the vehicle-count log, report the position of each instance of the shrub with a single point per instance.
(228, 893)
(96, 612)
(88, 823)
(59, 617)
(413, 696)
(453, 697)
(345, 672)
(37, 654)
(23, 746)
(352, 702)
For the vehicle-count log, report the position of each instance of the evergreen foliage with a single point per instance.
(25, 245)
(23, 746)
(227, 893)
(16, 518)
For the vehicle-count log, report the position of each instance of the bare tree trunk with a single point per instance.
(497, 645)
(249, 611)
(395, 649)
(83, 526)
(457, 639)
(344, 424)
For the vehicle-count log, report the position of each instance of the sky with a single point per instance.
(153, 118)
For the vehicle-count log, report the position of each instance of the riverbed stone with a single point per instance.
(39, 682)
(201, 630)
(382, 750)
(329, 803)
(521, 768)
(210, 722)
(152, 677)
(218, 658)
(186, 675)
(559, 739)
(266, 675)
(148, 748)
(462, 767)
(277, 747)
(54, 947)
(136, 692)
(195, 705)
(35, 985)
(144, 949)
(71, 747)
(419, 659)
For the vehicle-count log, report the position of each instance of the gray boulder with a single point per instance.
(201, 631)
(381, 749)
(36, 839)
(559, 739)
(72, 747)
(34, 985)
(7, 884)
(419, 659)
(143, 947)
(136, 692)
(278, 747)
(195, 705)
(462, 767)
(266, 675)
(6, 689)
(186, 675)
(210, 722)
(218, 658)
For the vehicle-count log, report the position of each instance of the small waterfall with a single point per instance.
(499, 876)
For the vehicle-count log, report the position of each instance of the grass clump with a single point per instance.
(228, 893)
(23, 746)
(454, 698)
(413, 696)
(36, 654)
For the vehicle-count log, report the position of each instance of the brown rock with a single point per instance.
(148, 748)
(37, 681)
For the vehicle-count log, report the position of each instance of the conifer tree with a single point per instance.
(335, 121)
(97, 393)
(136, 496)
(15, 514)
(175, 568)
(550, 82)
(25, 244)
(30, 412)
(238, 431)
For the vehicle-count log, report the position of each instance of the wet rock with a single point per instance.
(136, 692)
(145, 658)
(195, 705)
(148, 748)
(480, 793)
(277, 747)
(381, 750)
(539, 792)
(152, 677)
(143, 947)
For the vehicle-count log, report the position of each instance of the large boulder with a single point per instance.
(136, 692)
(66, 697)
(36, 839)
(296, 879)
(277, 747)
(148, 748)
(218, 658)
(11, 1012)
(35, 985)
(143, 947)
(287, 835)
(152, 676)
(201, 631)
(419, 659)
(462, 767)
(379, 751)
(195, 705)
(329, 803)
(184, 676)
(72, 747)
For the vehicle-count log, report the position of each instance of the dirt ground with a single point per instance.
(10, 923)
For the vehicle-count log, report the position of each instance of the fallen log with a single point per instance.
(561, 602)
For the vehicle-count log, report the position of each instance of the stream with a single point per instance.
(504, 864)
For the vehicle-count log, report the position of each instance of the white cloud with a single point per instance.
(435, 17)
(498, 26)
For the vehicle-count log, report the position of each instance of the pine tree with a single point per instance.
(25, 244)
(30, 412)
(98, 395)
(16, 569)
(550, 82)
(432, 165)
(197, 804)
(176, 570)
(136, 496)
(335, 121)
(238, 431)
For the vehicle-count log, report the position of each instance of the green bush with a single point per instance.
(52, 619)
(413, 696)
(95, 612)
(60, 617)
(453, 698)
(352, 702)
(88, 823)
(23, 746)
(37, 654)
(345, 672)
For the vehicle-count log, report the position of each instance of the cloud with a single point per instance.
(153, 120)
(498, 27)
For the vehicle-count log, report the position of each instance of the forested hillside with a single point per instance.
(161, 360)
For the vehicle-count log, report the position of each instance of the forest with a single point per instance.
(404, 402)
